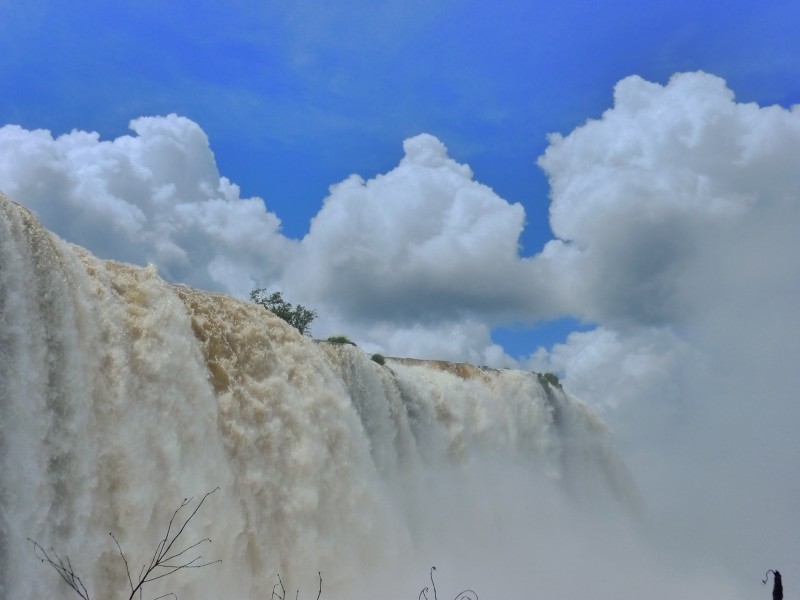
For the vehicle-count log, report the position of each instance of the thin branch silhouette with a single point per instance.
(282, 594)
(465, 595)
(166, 560)
(63, 567)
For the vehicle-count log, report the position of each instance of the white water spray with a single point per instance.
(121, 394)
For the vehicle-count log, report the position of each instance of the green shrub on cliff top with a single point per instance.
(298, 316)
(340, 339)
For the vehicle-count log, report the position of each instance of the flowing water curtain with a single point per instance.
(122, 394)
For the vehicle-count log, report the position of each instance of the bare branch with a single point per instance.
(162, 562)
(187, 549)
(63, 567)
(465, 595)
(157, 555)
(188, 565)
(282, 595)
(127, 570)
(160, 558)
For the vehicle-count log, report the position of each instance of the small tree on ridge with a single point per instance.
(298, 316)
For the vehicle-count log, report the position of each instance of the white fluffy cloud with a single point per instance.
(155, 197)
(677, 211)
(652, 199)
(422, 244)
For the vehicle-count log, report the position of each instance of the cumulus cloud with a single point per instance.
(422, 243)
(154, 197)
(676, 217)
(643, 198)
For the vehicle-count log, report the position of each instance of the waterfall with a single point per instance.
(121, 395)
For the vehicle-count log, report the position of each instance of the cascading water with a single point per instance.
(121, 394)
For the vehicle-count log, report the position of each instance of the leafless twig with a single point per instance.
(465, 595)
(282, 594)
(63, 567)
(168, 558)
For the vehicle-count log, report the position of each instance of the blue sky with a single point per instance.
(296, 97)
(647, 254)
